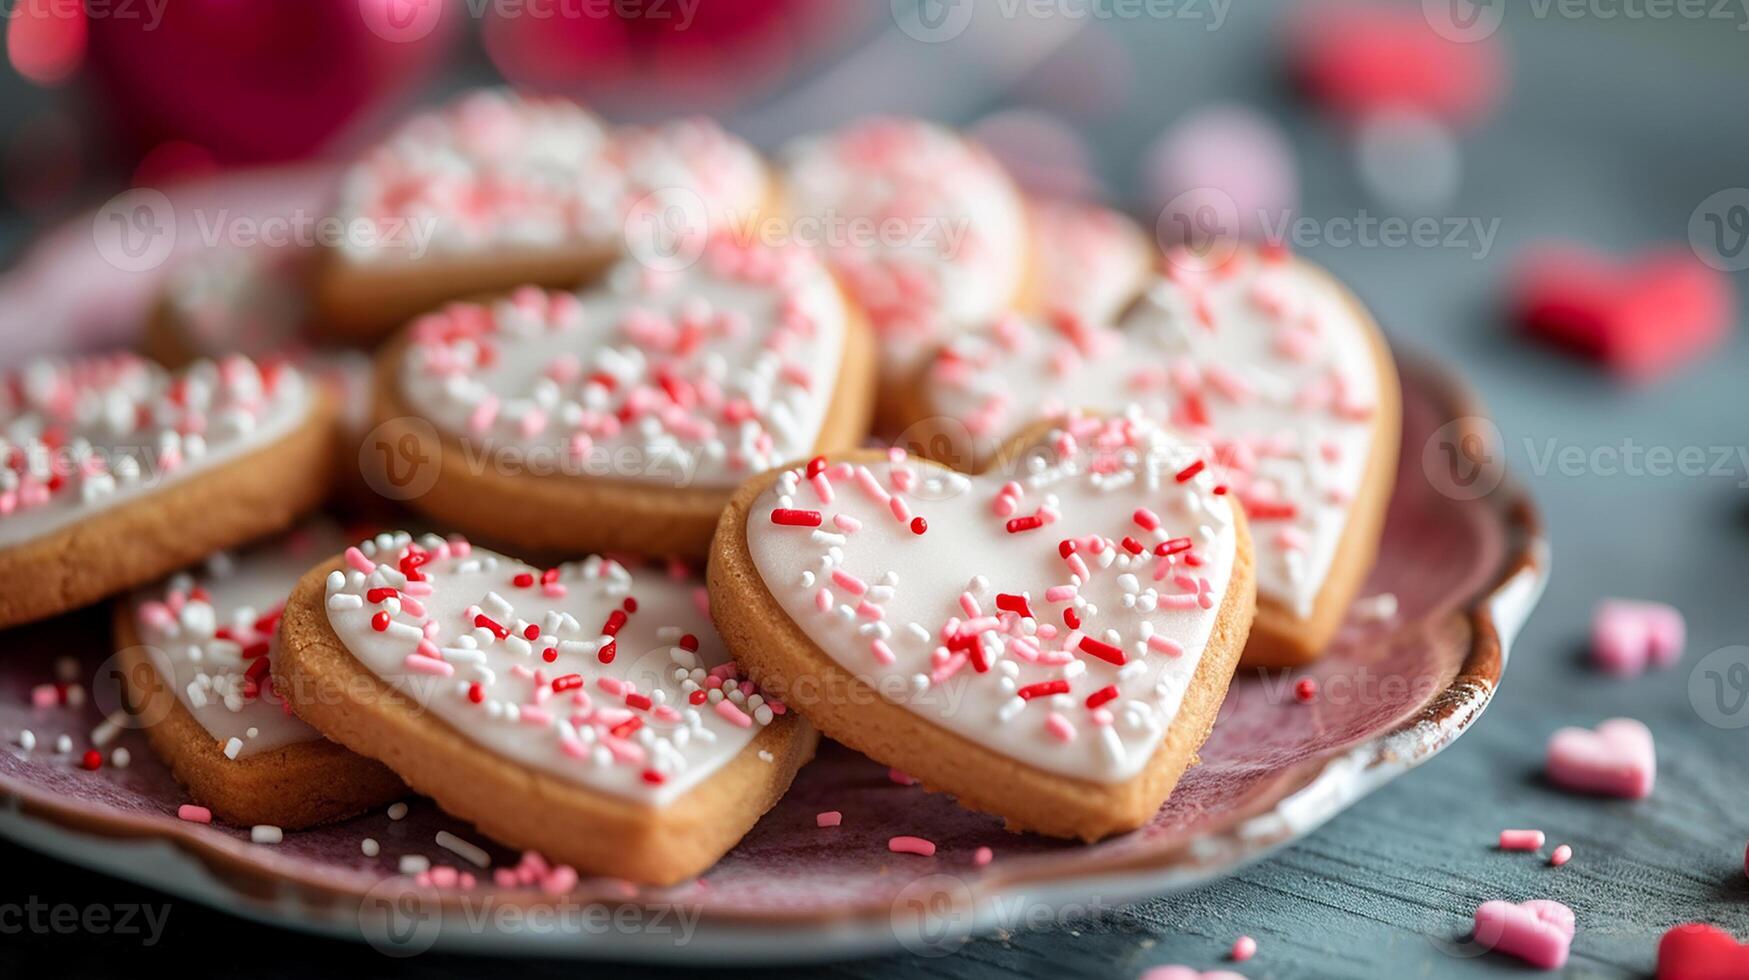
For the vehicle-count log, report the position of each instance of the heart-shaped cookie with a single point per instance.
(925, 228)
(1641, 318)
(1048, 643)
(195, 656)
(1616, 759)
(1696, 951)
(1538, 932)
(622, 418)
(499, 190)
(586, 711)
(114, 473)
(1265, 359)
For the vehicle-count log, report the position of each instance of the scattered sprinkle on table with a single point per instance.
(1522, 840)
(370, 847)
(194, 814)
(265, 833)
(466, 850)
(397, 811)
(414, 864)
(828, 818)
(1244, 948)
(1562, 855)
(983, 856)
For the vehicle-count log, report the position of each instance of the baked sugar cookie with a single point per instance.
(622, 418)
(1087, 261)
(925, 228)
(1268, 360)
(585, 711)
(499, 190)
(1048, 642)
(195, 657)
(115, 473)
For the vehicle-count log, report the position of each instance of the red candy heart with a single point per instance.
(1355, 59)
(1641, 318)
(1701, 952)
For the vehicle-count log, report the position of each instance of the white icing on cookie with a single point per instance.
(960, 248)
(699, 377)
(78, 437)
(1265, 359)
(612, 680)
(1056, 617)
(495, 169)
(211, 632)
(1087, 261)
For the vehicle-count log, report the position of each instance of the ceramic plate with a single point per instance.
(1463, 557)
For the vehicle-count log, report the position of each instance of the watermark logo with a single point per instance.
(398, 918)
(395, 459)
(933, 915)
(1718, 688)
(1465, 458)
(1199, 229)
(135, 231)
(666, 229)
(932, 21)
(401, 21)
(1464, 21)
(1718, 230)
(129, 687)
(37, 917)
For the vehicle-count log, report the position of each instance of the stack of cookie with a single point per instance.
(624, 384)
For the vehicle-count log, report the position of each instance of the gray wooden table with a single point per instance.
(1616, 130)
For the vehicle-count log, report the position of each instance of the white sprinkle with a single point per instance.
(63, 744)
(470, 852)
(265, 833)
(370, 847)
(415, 864)
(120, 758)
(27, 740)
(397, 811)
(232, 747)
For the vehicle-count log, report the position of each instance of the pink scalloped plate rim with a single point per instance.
(1464, 556)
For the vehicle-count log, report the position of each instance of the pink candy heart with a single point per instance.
(1617, 759)
(1628, 636)
(1696, 951)
(1538, 932)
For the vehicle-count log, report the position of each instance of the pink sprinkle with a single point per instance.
(734, 715)
(846, 523)
(194, 814)
(849, 582)
(44, 696)
(882, 652)
(823, 600)
(1161, 644)
(1244, 948)
(1521, 840)
(1060, 593)
(905, 844)
(983, 856)
(901, 777)
(828, 818)
(357, 560)
(559, 881)
(1059, 727)
(425, 665)
(1562, 855)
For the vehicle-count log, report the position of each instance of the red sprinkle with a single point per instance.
(92, 759)
(523, 580)
(380, 622)
(698, 697)
(795, 518)
(1189, 472)
(654, 778)
(485, 621)
(1132, 546)
(919, 525)
(639, 701)
(1028, 523)
(1102, 650)
(1043, 689)
(608, 652)
(1306, 690)
(1071, 618)
(476, 693)
(689, 643)
(531, 632)
(816, 466)
(1017, 604)
(568, 682)
(1101, 696)
(1173, 547)
(380, 595)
